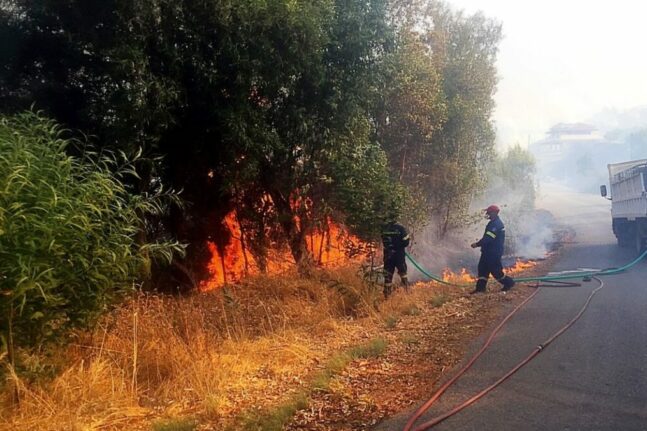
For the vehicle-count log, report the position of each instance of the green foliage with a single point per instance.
(409, 338)
(363, 189)
(413, 110)
(414, 106)
(68, 229)
(276, 418)
(439, 300)
(512, 179)
(390, 322)
(337, 363)
(178, 424)
(442, 101)
(373, 349)
(411, 310)
(467, 48)
(357, 108)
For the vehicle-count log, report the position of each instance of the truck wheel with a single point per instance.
(641, 235)
(640, 244)
(624, 241)
(625, 232)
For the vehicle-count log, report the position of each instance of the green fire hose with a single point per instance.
(572, 275)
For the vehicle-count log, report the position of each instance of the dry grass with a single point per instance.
(235, 358)
(211, 355)
(250, 356)
(87, 396)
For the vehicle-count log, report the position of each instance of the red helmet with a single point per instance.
(492, 209)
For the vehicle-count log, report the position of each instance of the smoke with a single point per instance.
(533, 235)
(452, 251)
(576, 155)
(530, 234)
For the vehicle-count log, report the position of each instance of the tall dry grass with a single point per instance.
(210, 355)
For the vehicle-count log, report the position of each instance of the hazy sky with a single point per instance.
(565, 60)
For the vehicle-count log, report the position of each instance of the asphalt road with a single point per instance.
(594, 377)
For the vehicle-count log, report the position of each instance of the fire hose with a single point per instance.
(586, 275)
(565, 275)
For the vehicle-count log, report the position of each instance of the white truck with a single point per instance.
(628, 183)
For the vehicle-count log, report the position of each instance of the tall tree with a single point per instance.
(465, 50)
(436, 123)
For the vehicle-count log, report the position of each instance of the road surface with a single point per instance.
(593, 377)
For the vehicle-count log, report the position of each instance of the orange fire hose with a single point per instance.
(426, 406)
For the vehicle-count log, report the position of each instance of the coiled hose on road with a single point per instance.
(555, 278)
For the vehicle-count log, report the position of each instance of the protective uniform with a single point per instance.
(491, 251)
(395, 239)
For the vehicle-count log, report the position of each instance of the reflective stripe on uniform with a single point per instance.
(492, 234)
(406, 237)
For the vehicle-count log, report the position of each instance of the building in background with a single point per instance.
(577, 155)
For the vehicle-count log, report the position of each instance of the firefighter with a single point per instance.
(491, 251)
(395, 239)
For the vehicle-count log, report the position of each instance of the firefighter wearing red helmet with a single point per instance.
(491, 251)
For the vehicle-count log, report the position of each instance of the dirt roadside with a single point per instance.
(423, 347)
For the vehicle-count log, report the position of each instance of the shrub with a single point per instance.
(68, 233)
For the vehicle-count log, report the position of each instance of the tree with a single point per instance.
(465, 49)
(511, 177)
(413, 111)
(363, 187)
(437, 127)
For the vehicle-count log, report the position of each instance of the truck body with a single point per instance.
(628, 187)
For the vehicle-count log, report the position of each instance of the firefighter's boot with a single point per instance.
(508, 283)
(405, 282)
(388, 288)
(480, 286)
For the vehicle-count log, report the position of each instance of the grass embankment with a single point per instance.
(243, 357)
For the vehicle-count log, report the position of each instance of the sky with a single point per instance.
(564, 61)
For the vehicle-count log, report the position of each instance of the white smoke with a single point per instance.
(530, 235)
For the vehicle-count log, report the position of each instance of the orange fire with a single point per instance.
(326, 248)
(464, 277)
(458, 278)
(520, 266)
(235, 260)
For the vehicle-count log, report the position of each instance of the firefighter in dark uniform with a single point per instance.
(491, 251)
(395, 239)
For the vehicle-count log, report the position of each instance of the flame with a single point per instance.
(520, 266)
(327, 248)
(464, 276)
(229, 265)
(457, 278)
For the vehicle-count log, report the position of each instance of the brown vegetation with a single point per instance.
(293, 354)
